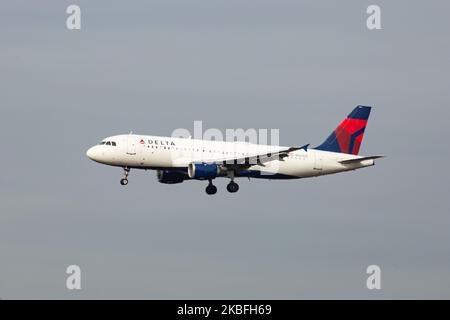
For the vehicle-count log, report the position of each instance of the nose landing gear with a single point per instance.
(124, 180)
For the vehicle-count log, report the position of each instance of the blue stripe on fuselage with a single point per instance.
(241, 174)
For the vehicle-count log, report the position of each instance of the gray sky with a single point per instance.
(154, 66)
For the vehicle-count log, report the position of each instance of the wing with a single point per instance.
(258, 159)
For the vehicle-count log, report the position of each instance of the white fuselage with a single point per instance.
(154, 152)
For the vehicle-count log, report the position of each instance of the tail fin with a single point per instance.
(348, 136)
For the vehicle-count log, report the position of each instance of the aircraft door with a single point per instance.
(317, 160)
(131, 145)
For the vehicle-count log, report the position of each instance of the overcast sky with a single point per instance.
(154, 66)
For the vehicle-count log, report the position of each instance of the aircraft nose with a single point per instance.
(92, 153)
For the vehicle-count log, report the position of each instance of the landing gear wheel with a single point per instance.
(211, 189)
(232, 187)
(124, 180)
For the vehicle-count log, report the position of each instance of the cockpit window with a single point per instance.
(108, 143)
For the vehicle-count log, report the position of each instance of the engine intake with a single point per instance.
(170, 176)
(203, 170)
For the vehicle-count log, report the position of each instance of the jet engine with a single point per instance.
(170, 176)
(203, 171)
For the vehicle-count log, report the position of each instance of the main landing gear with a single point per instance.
(124, 180)
(210, 188)
(232, 187)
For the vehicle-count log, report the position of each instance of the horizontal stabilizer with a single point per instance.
(349, 161)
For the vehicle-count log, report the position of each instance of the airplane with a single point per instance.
(179, 159)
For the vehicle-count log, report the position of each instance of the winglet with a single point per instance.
(305, 147)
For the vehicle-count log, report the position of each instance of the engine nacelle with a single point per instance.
(203, 171)
(170, 176)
